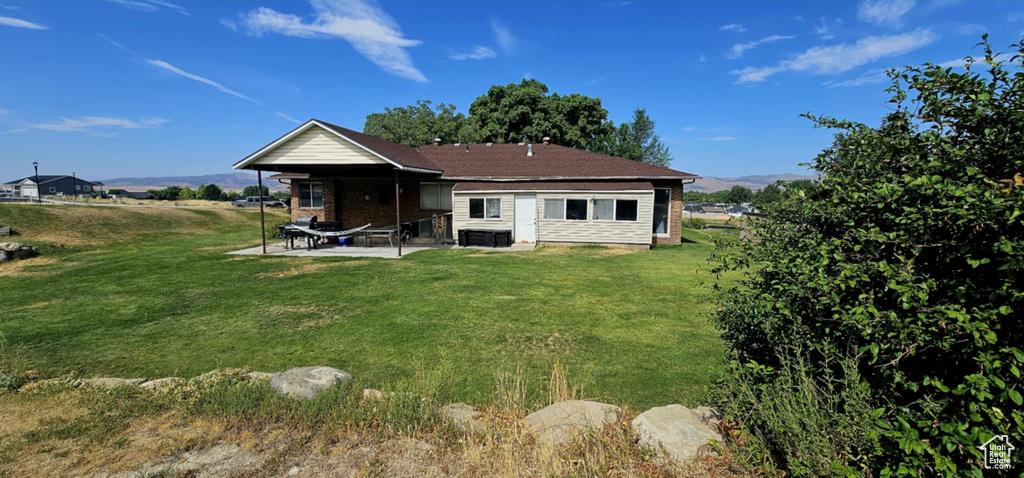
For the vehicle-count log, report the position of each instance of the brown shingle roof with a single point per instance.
(509, 161)
(553, 186)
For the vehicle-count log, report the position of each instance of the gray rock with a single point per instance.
(463, 417)
(217, 461)
(5, 256)
(9, 246)
(111, 382)
(562, 421)
(676, 432)
(162, 383)
(307, 382)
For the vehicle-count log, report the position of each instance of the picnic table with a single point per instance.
(371, 233)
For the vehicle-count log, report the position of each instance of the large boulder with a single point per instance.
(463, 417)
(10, 251)
(9, 246)
(307, 382)
(560, 422)
(676, 432)
(162, 383)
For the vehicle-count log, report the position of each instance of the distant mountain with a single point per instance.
(227, 182)
(710, 184)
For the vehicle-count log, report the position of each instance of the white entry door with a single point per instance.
(526, 218)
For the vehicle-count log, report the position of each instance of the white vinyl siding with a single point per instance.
(560, 230)
(462, 221)
(318, 146)
(597, 230)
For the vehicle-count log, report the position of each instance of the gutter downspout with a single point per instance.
(398, 215)
(263, 226)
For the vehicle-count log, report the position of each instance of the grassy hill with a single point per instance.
(150, 292)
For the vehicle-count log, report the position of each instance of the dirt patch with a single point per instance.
(584, 251)
(301, 317)
(296, 270)
(18, 268)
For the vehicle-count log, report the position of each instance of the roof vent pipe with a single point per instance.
(467, 147)
(437, 141)
(547, 140)
(529, 149)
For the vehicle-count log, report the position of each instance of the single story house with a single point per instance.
(539, 193)
(52, 185)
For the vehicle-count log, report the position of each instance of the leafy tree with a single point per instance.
(740, 194)
(170, 193)
(209, 192)
(419, 124)
(767, 195)
(806, 185)
(253, 190)
(526, 112)
(906, 263)
(187, 193)
(636, 140)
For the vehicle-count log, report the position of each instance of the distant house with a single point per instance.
(536, 193)
(52, 185)
(711, 210)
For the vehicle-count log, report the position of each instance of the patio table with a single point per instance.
(369, 234)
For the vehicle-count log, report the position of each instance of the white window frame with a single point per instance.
(311, 206)
(565, 210)
(615, 210)
(668, 220)
(452, 199)
(53, 189)
(78, 187)
(485, 218)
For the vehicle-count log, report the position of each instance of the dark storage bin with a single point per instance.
(484, 238)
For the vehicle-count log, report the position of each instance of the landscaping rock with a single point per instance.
(560, 422)
(111, 382)
(217, 461)
(307, 382)
(10, 251)
(676, 432)
(162, 383)
(463, 417)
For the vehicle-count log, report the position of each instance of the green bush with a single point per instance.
(907, 259)
(697, 223)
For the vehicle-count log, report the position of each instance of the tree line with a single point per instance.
(761, 198)
(524, 112)
(211, 192)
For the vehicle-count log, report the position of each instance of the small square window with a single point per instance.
(476, 208)
(311, 195)
(604, 209)
(625, 209)
(554, 209)
(576, 209)
(493, 208)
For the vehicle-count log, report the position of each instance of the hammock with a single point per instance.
(330, 234)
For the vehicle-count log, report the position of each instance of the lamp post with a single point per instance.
(39, 192)
(74, 183)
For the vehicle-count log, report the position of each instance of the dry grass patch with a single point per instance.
(19, 416)
(301, 317)
(296, 270)
(554, 344)
(26, 267)
(584, 251)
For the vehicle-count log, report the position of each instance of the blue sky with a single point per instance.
(152, 88)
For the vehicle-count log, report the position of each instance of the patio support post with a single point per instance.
(398, 214)
(263, 227)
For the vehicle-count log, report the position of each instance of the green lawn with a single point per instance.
(132, 292)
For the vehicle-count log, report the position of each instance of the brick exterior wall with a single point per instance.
(345, 201)
(675, 214)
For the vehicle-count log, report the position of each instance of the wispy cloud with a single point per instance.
(19, 23)
(737, 50)
(736, 27)
(289, 118)
(365, 26)
(970, 29)
(823, 30)
(957, 63)
(505, 38)
(1014, 16)
(702, 58)
(688, 128)
(206, 81)
(591, 82)
(717, 138)
(478, 53)
(868, 77)
(884, 11)
(150, 5)
(822, 60)
(93, 125)
(10, 7)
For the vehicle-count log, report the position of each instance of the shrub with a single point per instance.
(907, 260)
(697, 223)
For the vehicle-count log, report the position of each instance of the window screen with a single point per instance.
(476, 208)
(662, 198)
(554, 209)
(311, 195)
(625, 209)
(493, 208)
(435, 196)
(576, 209)
(604, 209)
